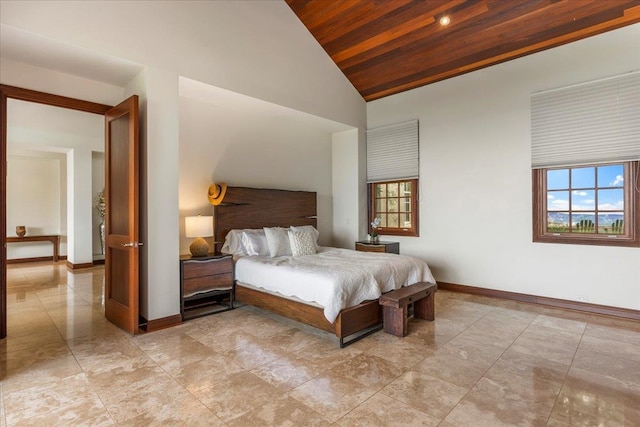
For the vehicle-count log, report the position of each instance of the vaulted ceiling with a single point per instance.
(388, 46)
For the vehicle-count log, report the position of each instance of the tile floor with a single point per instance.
(483, 362)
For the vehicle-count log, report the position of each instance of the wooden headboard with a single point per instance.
(245, 207)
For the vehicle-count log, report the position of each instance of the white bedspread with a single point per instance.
(334, 278)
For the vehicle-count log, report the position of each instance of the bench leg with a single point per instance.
(395, 320)
(425, 308)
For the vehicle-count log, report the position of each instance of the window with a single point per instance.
(595, 204)
(395, 203)
(393, 168)
(585, 155)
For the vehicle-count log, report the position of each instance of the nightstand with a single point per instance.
(206, 285)
(381, 246)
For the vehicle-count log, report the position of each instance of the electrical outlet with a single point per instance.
(582, 298)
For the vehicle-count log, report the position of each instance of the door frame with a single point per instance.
(21, 94)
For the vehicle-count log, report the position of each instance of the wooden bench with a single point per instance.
(395, 306)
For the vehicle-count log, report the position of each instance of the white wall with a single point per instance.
(34, 196)
(475, 177)
(345, 188)
(255, 148)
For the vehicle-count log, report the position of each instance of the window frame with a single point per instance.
(413, 231)
(631, 237)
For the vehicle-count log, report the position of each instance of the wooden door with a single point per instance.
(122, 248)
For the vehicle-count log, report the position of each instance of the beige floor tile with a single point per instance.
(383, 411)
(404, 353)
(589, 398)
(622, 349)
(332, 395)
(150, 395)
(453, 369)
(295, 339)
(560, 323)
(42, 399)
(328, 354)
(426, 393)
(550, 348)
(204, 373)
(473, 350)
(282, 411)
(236, 394)
(33, 340)
(187, 411)
(288, 372)
(492, 404)
(368, 369)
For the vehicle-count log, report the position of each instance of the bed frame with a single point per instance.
(245, 207)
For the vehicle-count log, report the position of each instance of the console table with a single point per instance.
(54, 239)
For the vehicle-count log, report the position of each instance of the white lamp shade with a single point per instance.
(198, 226)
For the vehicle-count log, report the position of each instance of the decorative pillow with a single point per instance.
(254, 242)
(311, 229)
(302, 242)
(278, 241)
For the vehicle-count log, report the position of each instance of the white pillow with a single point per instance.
(254, 242)
(278, 241)
(302, 242)
(233, 243)
(310, 228)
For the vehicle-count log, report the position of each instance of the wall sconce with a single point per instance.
(199, 227)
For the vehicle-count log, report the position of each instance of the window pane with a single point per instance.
(392, 190)
(558, 222)
(381, 205)
(557, 179)
(583, 200)
(405, 188)
(557, 200)
(611, 176)
(583, 177)
(393, 221)
(611, 223)
(381, 190)
(383, 220)
(393, 205)
(405, 204)
(407, 220)
(583, 222)
(611, 200)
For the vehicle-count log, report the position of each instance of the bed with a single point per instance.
(352, 316)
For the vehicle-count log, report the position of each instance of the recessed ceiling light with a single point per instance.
(445, 20)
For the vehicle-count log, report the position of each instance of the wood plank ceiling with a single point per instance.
(388, 46)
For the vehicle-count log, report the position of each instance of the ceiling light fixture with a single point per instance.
(445, 20)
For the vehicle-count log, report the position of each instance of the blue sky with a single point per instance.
(583, 188)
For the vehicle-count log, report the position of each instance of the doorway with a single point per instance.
(10, 92)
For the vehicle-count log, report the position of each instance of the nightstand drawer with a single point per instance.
(366, 247)
(207, 283)
(197, 268)
(380, 246)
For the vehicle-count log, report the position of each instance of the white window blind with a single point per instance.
(393, 152)
(594, 122)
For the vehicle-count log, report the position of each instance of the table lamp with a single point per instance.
(199, 227)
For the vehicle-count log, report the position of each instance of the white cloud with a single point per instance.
(618, 181)
(579, 193)
(617, 206)
(559, 205)
(550, 196)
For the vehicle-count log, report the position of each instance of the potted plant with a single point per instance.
(373, 234)
(101, 206)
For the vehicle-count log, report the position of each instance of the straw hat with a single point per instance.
(216, 193)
